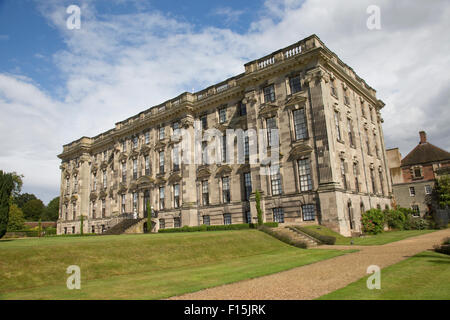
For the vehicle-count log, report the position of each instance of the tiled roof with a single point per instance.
(425, 153)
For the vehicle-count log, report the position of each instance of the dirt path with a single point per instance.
(314, 280)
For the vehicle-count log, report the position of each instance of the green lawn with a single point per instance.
(379, 239)
(143, 266)
(424, 276)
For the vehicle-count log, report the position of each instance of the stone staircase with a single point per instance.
(296, 235)
(122, 226)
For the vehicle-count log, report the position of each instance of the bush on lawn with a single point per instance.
(283, 238)
(206, 228)
(373, 221)
(320, 237)
(395, 219)
(444, 247)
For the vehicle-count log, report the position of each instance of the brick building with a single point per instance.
(413, 176)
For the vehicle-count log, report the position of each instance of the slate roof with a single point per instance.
(425, 153)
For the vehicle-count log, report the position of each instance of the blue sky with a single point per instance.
(57, 85)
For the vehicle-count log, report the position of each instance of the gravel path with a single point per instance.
(314, 280)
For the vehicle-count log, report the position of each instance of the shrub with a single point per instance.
(395, 219)
(320, 237)
(50, 231)
(444, 247)
(373, 221)
(206, 228)
(284, 238)
(258, 207)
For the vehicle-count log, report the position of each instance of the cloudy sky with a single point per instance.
(57, 85)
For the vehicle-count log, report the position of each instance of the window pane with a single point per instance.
(295, 84)
(309, 212)
(304, 170)
(300, 124)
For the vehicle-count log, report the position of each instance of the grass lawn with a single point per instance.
(147, 266)
(379, 239)
(424, 276)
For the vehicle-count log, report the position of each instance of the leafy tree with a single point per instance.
(52, 210)
(373, 221)
(258, 207)
(395, 219)
(442, 191)
(23, 198)
(16, 220)
(7, 185)
(18, 183)
(33, 210)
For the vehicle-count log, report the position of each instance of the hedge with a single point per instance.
(203, 227)
(320, 237)
(284, 238)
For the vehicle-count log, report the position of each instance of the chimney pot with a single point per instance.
(423, 137)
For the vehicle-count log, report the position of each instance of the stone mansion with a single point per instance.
(332, 159)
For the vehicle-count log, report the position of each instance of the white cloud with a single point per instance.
(116, 66)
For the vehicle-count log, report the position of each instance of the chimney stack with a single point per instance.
(423, 137)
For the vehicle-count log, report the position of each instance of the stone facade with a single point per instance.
(413, 177)
(332, 154)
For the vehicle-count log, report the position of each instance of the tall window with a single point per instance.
(226, 189)
(95, 182)
(176, 222)
(206, 220)
(161, 162)
(124, 146)
(300, 124)
(135, 201)
(377, 151)
(105, 180)
(147, 165)
(278, 215)
(337, 125)
(147, 137)
(380, 175)
(204, 122)
(176, 129)
(162, 223)
(428, 189)
(247, 185)
(67, 185)
(355, 174)
(135, 169)
(224, 148)
(204, 152)
(350, 131)
(271, 124)
(222, 115)
(75, 183)
(343, 175)
(309, 212)
(295, 85)
(103, 208)
(412, 192)
(176, 195)
(275, 179)
(246, 147)
(304, 171)
(135, 142)
(161, 133)
(105, 155)
(123, 203)
(176, 158)
(242, 109)
(333, 88)
(416, 210)
(368, 142)
(124, 172)
(372, 178)
(161, 198)
(205, 193)
(227, 218)
(346, 98)
(269, 93)
(417, 172)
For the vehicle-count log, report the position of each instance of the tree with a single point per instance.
(7, 184)
(16, 220)
(258, 207)
(18, 183)
(33, 210)
(23, 198)
(52, 210)
(442, 191)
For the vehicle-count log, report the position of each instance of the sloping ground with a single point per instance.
(313, 281)
(293, 234)
(122, 226)
(146, 266)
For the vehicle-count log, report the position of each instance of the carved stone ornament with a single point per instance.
(300, 151)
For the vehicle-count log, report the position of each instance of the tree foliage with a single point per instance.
(373, 221)
(7, 184)
(16, 220)
(51, 212)
(33, 210)
(258, 207)
(23, 198)
(442, 191)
